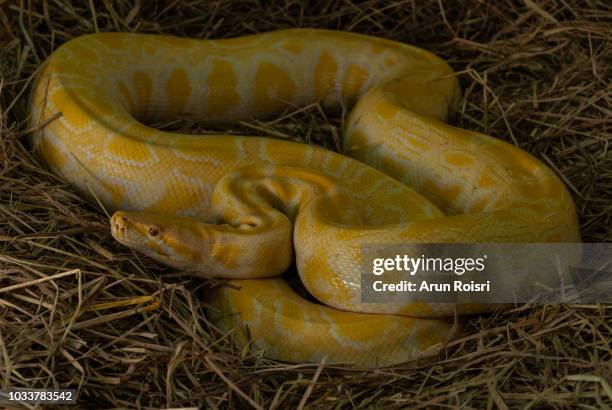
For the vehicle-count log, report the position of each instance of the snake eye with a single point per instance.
(153, 231)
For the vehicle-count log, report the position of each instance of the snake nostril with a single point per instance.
(118, 226)
(118, 230)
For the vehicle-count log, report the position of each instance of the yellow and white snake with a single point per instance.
(245, 207)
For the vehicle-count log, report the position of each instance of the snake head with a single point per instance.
(173, 241)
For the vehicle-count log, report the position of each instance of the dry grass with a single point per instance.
(130, 333)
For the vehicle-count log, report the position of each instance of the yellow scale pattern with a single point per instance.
(245, 207)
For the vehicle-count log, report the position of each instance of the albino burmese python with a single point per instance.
(240, 207)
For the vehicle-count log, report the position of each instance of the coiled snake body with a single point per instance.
(245, 207)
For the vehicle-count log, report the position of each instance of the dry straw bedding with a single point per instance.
(130, 333)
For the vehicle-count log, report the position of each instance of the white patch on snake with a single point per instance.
(154, 158)
(308, 154)
(375, 189)
(263, 145)
(131, 189)
(258, 313)
(200, 210)
(358, 175)
(88, 128)
(342, 340)
(278, 319)
(339, 171)
(239, 144)
(200, 157)
(410, 341)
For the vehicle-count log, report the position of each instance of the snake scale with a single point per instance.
(244, 207)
